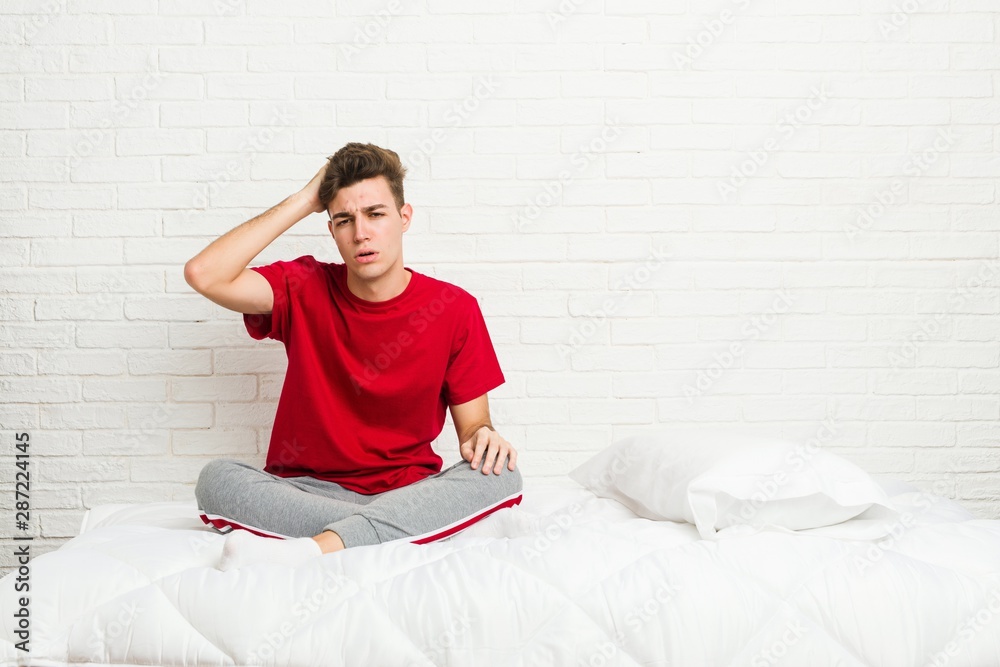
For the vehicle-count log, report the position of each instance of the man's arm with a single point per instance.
(470, 416)
(219, 271)
(476, 436)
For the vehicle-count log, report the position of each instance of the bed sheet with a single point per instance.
(564, 578)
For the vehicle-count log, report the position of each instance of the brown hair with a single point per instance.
(354, 163)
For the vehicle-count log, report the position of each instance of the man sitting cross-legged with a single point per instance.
(376, 352)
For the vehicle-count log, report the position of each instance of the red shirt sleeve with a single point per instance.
(473, 368)
(286, 279)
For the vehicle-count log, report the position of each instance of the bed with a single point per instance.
(571, 576)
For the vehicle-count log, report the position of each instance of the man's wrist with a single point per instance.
(476, 430)
(301, 204)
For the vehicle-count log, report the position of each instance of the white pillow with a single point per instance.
(719, 479)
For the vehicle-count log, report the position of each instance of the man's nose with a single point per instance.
(362, 228)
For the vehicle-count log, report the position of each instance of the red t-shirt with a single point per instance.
(368, 382)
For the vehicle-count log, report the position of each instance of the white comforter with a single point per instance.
(565, 578)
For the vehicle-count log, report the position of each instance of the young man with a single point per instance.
(376, 351)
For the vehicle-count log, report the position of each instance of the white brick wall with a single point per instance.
(822, 174)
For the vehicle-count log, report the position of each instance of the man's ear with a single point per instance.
(406, 213)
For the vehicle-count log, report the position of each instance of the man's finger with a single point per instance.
(488, 461)
(480, 446)
(504, 453)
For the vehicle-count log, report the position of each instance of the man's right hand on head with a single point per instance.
(311, 191)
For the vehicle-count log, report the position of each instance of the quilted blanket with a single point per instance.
(565, 578)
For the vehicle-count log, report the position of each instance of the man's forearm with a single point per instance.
(226, 257)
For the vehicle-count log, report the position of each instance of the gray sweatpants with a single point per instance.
(232, 494)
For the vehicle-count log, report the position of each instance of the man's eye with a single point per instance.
(342, 222)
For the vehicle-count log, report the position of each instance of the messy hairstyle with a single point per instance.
(356, 162)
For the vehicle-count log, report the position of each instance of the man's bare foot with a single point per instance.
(329, 541)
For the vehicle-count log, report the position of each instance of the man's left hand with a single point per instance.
(492, 444)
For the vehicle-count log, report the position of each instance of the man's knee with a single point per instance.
(508, 482)
(518, 481)
(213, 478)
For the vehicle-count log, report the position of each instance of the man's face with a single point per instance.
(364, 217)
